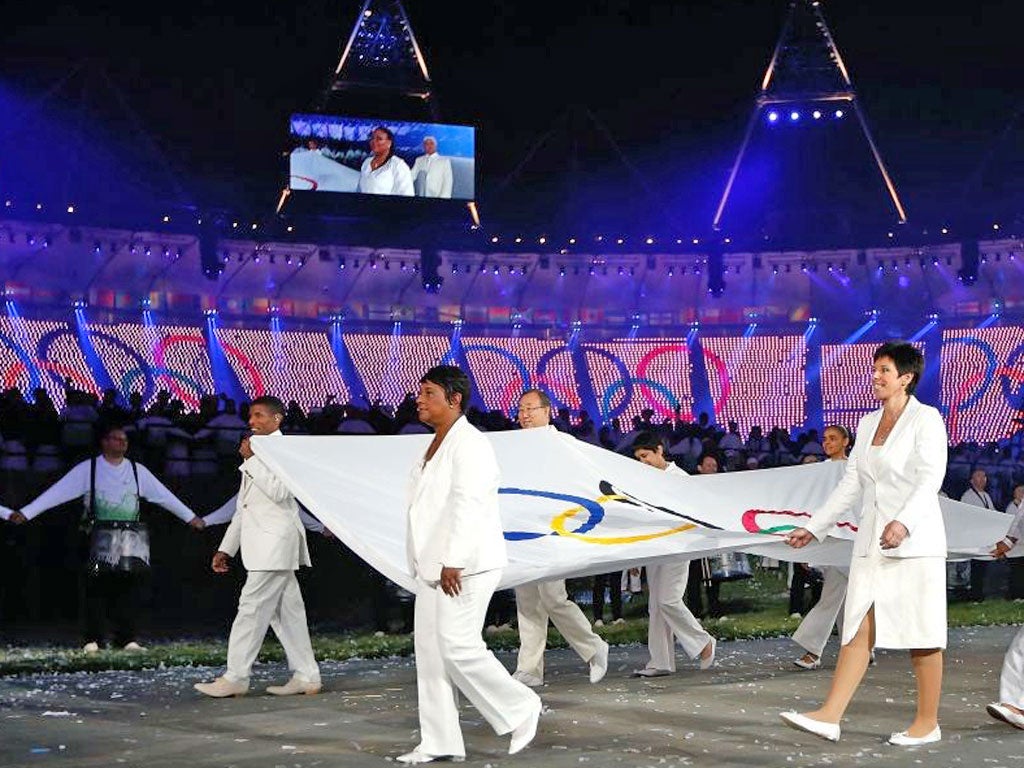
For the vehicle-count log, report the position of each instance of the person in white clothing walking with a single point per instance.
(267, 529)
(456, 550)
(977, 496)
(669, 618)
(537, 603)
(1010, 707)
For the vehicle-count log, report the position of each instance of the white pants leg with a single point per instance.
(451, 655)
(816, 627)
(1011, 681)
(569, 619)
(533, 630)
(292, 630)
(258, 605)
(669, 616)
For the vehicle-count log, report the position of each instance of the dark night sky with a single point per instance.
(672, 82)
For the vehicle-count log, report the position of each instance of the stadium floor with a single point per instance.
(367, 715)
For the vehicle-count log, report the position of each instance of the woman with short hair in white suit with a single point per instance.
(456, 549)
(897, 592)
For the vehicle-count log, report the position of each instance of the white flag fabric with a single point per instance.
(570, 508)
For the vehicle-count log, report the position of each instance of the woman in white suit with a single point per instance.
(456, 550)
(897, 591)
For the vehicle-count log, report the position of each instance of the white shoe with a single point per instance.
(804, 664)
(795, 615)
(295, 686)
(525, 731)
(526, 678)
(599, 664)
(619, 620)
(709, 662)
(651, 672)
(599, 623)
(222, 688)
(91, 647)
(823, 730)
(902, 740)
(134, 647)
(1007, 715)
(416, 757)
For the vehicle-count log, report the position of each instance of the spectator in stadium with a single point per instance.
(977, 496)
(432, 172)
(456, 554)
(539, 602)
(669, 618)
(272, 540)
(897, 588)
(384, 172)
(111, 486)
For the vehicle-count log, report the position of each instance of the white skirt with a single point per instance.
(909, 597)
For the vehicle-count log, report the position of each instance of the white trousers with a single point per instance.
(816, 628)
(670, 619)
(271, 599)
(1011, 681)
(451, 656)
(535, 604)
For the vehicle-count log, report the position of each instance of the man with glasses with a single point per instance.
(537, 603)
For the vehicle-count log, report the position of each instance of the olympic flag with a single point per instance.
(573, 509)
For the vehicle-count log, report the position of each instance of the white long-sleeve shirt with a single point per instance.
(1017, 524)
(223, 514)
(5, 513)
(392, 178)
(116, 495)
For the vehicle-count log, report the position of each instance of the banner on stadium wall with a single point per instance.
(101, 297)
(124, 300)
(545, 316)
(800, 313)
(426, 314)
(260, 305)
(475, 314)
(570, 508)
(378, 311)
(591, 315)
(448, 312)
(499, 314)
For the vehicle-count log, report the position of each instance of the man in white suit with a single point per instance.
(432, 172)
(537, 603)
(272, 539)
(456, 551)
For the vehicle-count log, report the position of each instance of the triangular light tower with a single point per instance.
(382, 56)
(806, 70)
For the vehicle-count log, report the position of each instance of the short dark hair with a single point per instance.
(906, 357)
(541, 395)
(647, 441)
(709, 454)
(271, 403)
(452, 380)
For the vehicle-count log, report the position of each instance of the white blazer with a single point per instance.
(453, 518)
(432, 176)
(266, 523)
(901, 483)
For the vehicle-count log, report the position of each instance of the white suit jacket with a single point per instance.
(432, 176)
(453, 517)
(901, 484)
(266, 523)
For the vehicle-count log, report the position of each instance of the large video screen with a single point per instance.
(382, 157)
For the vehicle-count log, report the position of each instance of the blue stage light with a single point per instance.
(794, 115)
(816, 114)
(773, 116)
(839, 113)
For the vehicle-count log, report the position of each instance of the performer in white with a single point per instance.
(11, 515)
(897, 592)
(1010, 707)
(456, 552)
(432, 171)
(384, 172)
(538, 602)
(226, 512)
(111, 485)
(273, 542)
(816, 627)
(669, 618)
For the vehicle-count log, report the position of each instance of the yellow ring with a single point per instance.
(559, 521)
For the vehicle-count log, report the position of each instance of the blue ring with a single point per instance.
(594, 510)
